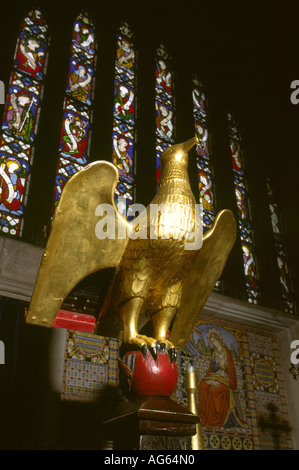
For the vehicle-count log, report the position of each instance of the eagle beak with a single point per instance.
(190, 143)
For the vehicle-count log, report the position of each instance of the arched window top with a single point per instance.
(32, 46)
(84, 39)
(126, 50)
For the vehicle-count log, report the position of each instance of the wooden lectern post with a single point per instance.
(152, 423)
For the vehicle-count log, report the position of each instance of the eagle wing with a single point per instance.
(73, 249)
(207, 269)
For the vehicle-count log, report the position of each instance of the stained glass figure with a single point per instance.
(20, 122)
(84, 40)
(204, 167)
(164, 105)
(124, 118)
(281, 253)
(80, 82)
(244, 217)
(77, 106)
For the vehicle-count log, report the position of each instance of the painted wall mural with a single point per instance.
(239, 376)
(91, 363)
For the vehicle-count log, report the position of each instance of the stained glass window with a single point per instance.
(281, 253)
(244, 217)
(20, 122)
(77, 106)
(124, 118)
(204, 168)
(164, 104)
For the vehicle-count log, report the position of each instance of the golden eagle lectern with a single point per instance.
(165, 268)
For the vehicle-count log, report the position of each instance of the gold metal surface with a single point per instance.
(73, 251)
(157, 277)
(197, 442)
(208, 266)
(294, 371)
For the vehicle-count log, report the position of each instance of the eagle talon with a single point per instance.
(172, 355)
(144, 350)
(153, 352)
(165, 344)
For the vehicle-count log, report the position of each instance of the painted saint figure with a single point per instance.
(241, 204)
(198, 101)
(235, 151)
(164, 122)
(163, 76)
(125, 54)
(202, 146)
(74, 139)
(121, 158)
(29, 57)
(80, 84)
(205, 192)
(217, 404)
(11, 188)
(83, 37)
(123, 101)
(250, 272)
(19, 118)
(274, 219)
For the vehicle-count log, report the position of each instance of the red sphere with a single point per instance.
(150, 377)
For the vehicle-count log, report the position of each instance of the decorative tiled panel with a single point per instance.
(239, 376)
(91, 363)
